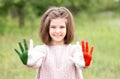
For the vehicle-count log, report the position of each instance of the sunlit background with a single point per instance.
(97, 21)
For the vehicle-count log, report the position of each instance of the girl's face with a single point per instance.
(57, 31)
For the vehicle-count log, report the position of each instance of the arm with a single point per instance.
(82, 56)
(35, 55)
(31, 57)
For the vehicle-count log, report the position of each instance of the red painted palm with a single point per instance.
(87, 53)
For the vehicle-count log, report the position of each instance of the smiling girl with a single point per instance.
(57, 58)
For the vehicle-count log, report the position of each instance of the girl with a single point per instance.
(57, 58)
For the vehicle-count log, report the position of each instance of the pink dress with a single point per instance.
(54, 62)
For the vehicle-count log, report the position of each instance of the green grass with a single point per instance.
(101, 31)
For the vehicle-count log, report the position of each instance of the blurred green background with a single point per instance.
(97, 21)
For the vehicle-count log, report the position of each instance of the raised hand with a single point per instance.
(23, 54)
(87, 54)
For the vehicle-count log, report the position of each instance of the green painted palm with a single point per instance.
(23, 54)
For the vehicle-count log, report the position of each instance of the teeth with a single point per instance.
(57, 35)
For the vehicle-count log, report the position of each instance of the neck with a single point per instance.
(57, 43)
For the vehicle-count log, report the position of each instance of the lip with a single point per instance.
(57, 36)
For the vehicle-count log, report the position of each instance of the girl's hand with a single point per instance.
(86, 53)
(23, 55)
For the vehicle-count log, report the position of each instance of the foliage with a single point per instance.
(25, 8)
(101, 30)
(39, 6)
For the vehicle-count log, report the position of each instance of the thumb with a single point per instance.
(31, 44)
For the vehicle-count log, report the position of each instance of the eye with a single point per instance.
(52, 27)
(62, 26)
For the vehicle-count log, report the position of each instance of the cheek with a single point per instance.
(65, 31)
(50, 32)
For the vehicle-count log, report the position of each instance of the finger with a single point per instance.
(91, 51)
(86, 47)
(21, 47)
(31, 43)
(25, 44)
(83, 47)
(17, 52)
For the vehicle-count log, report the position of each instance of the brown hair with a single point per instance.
(52, 13)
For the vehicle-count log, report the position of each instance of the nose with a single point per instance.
(57, 30)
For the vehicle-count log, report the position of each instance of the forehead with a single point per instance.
(58, 21)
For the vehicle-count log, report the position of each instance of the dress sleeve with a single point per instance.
(35, 56)
(78, 58)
